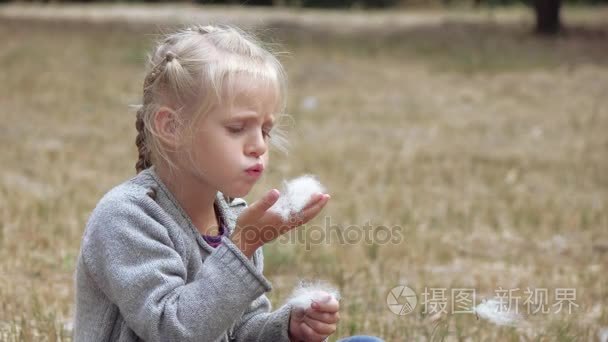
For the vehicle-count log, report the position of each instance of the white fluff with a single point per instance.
(602, 334)
(295, 195)
(493, 312)
(305, 293)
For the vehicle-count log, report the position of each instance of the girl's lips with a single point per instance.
(254, 173)
(258, 168)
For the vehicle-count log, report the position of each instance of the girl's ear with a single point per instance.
(166, 123)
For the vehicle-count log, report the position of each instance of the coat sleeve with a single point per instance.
(258, 323)
(134, 261)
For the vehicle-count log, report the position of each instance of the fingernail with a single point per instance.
(314, 305)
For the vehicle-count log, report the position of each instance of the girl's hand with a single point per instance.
(257, 226)
(315, 323)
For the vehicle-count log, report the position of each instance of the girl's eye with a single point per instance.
(235, 129)
(266, 133)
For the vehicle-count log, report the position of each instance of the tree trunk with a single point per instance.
(547, 16)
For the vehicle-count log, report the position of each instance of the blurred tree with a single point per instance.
(338, 3)
(379, 3)
(327, 3)
(259, 2)
(547, 16)
(547, 13)
(234, 2)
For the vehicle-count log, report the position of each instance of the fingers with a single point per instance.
(330, 306)
(312, 209)
(297, 313)
(325, 317)
(320, 328)
(316, 324)
(309, 334)
(257, 209)
(313, 200)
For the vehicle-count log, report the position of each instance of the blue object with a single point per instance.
(361, 338)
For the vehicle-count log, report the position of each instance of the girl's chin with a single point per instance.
(236, 193)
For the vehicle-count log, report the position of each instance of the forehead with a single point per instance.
(246, 92)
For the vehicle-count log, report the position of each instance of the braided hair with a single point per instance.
(144, 159)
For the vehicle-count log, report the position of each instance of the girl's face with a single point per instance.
(229, 150)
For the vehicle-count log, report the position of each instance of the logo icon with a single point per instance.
(402, 294)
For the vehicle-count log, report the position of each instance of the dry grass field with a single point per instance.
(485, 147)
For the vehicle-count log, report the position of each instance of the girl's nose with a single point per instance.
(257, 146)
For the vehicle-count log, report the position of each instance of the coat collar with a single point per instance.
(229, 208)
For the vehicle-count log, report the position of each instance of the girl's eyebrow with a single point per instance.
(250, 116)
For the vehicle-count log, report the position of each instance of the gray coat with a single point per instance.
(145, 273)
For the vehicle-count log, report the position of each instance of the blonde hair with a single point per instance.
(195, 69)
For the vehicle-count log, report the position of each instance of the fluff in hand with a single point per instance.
(305, 293)
(295, 195)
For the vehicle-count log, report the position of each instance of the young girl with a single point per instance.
(174, 254)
